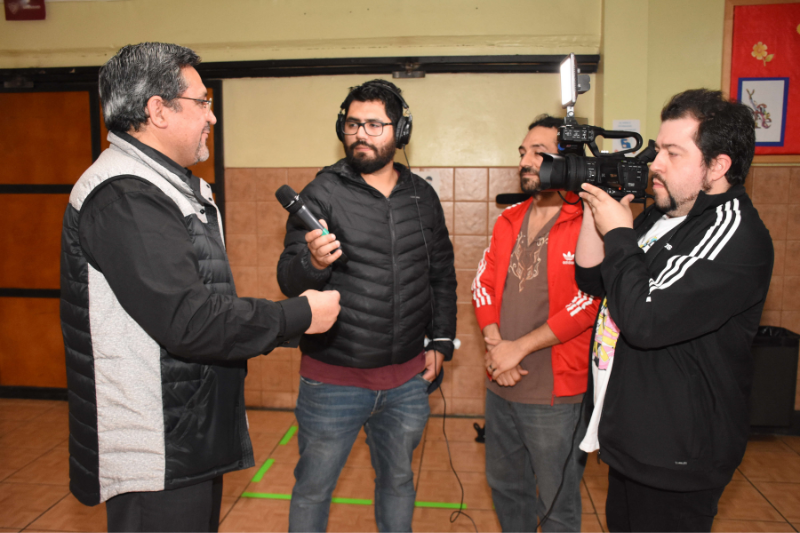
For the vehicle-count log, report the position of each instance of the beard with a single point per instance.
(364, 162)
(529, 181)
(671, 205)
(202, 153)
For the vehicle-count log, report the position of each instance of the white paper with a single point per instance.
(625, 125)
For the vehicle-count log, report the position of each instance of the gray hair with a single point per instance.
(137, 73)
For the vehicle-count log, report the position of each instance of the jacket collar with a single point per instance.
(343, 169)
(705, 201)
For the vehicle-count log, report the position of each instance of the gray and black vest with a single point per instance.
(140, 418)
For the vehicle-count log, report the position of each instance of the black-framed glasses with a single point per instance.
(373, 128)
(205, 103)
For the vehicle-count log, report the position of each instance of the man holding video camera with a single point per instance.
(684, 286)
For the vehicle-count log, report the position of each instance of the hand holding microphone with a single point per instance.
(324, 247)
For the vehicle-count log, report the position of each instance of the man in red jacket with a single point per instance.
(536, 325)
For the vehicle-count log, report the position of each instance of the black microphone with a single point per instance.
(292, 202)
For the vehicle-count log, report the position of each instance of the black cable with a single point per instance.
(563, 471)
(460, 511)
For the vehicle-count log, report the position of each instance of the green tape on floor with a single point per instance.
(289, 434)
(266, 496)
(440, 505)
(351, 501)
(263, 470)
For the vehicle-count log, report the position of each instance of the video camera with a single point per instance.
(614, 173)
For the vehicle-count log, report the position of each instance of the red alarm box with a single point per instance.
(24, 9)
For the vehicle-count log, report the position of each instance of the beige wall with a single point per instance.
(459, 119)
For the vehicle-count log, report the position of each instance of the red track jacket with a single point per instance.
(572, 313)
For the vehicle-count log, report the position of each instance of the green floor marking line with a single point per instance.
(266, 496)
(263, 470)
(440, 505)
(351, 501)
(289, 434)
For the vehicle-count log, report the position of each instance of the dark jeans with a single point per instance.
(527, 447)
(631, 506)
(329, 418)
(194, 508)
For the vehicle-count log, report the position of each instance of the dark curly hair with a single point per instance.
(377, 90)
(726, 127)
(546, 121)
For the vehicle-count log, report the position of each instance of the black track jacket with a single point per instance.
(397, 286)
(676, 409)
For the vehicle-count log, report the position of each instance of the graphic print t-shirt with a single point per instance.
(606, 334)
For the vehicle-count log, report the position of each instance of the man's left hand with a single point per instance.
(433, 365)
(608, 213)
(502, 357)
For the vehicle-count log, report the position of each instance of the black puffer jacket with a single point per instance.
(390, 296)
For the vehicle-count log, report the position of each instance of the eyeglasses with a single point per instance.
(205, 103)
(373, 128)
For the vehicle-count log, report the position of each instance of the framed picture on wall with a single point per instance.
(761, 69)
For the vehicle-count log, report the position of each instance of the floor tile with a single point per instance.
(15, 457)
(767, 443)
(749, 525)
(52, 468)
(23, 503)
(737, 476)
(467, 456)
(441, 486)
(792, 442)
(264, 444)
(250, 514)
(595, 467)
(426, 519)
(275, 422)
(226, 506)
(598, 489)
(71, 515)
(457, 429)
(769, 466)
(35, 436)
(359, 456)
(344, 517)
(590, 522)
(741, 501)
(601, 517)
(279, 479)
(586, 500)
(235, 483)
(784, 496)
(356, 483)
(7, 425)
(24, 410)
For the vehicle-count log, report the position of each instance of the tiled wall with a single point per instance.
(776, 194)
(255, 230)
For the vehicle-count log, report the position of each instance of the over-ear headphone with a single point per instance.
(402, 128)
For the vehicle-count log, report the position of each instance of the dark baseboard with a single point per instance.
(33, 393)
(793, 430)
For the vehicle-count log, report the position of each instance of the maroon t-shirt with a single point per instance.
(381, 378)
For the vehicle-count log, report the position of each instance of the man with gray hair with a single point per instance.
(156, 340)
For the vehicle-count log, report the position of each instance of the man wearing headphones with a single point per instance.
(372, 369)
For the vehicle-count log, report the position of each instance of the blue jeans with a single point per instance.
(329, 418)
(527, 446)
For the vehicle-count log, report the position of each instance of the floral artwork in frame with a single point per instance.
(765, 73)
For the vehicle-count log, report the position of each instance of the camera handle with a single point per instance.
(613, 134)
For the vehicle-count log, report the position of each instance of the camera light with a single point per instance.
(569, 91)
